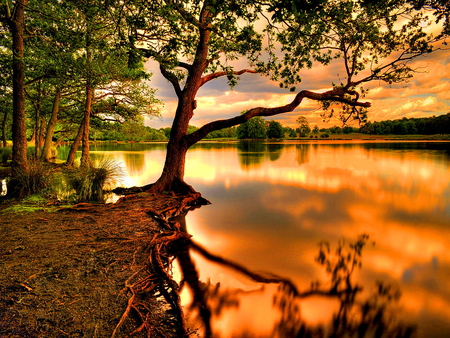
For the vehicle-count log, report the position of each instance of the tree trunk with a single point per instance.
(37, 124)
(172, 177)
(46, 150)
(5, 119)
(85, 156)
(19, 133)
(75, 144)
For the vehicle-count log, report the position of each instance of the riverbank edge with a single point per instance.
(66, 270)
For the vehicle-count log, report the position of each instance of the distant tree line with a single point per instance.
(258, 128)
(127, 131)
(410, 126)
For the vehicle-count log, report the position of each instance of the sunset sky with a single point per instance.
(426, 94)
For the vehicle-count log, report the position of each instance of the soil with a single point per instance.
(64, 271)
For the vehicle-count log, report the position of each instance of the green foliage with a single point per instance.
(128, 131)
(31, 204)
(413, 126)
(275, 130)
(90, 183)
(166, 131)
(303, 126)
(191, 129)
(5, 154)
(255, 128)
(360, 33)
(176, 27)
(348, 130)
(223, 133)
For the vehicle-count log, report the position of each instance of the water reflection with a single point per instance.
(302, 153)
(251, 154)
(279, 209)
(355, 314)
(270, 213)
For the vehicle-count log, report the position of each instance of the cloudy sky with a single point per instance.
(426, 94)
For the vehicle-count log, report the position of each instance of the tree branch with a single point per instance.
(213, 76)
(337, 95)
(172, 79)
(271, 278)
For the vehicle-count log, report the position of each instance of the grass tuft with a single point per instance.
(91, 184)
(5, 154)
(38, 178)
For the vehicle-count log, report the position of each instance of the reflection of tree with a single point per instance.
(134, 162)
(370, 317)
(302, 153)
(251, 154)
(275, 151)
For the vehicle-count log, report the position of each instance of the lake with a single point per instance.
(274, 203)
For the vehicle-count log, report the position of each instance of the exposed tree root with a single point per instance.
(154, 280)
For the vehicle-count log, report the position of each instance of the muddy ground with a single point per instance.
(64, 271)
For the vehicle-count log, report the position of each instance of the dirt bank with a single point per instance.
(64, 271)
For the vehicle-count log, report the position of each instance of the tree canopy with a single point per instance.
(196, 42)
(71, 61)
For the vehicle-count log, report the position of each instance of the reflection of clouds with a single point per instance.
(423, 273)
(409, 177)
(147, 171)
(270, 217)
(279, 200)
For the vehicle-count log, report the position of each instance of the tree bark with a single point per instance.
(85, 156)
(5, 119)
(172, 177)
(75, 144)
(46, 150)
(37, 123)
(19, 133)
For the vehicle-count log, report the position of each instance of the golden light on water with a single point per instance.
(273, 204)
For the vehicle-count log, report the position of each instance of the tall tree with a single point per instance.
(5, 89)
(195, 42)
(13, 17)
(81, 51)
(303, 126)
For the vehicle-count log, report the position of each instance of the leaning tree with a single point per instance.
(196, 42)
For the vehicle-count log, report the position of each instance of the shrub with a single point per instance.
(38, 178)
(5, 154)
(91, 183)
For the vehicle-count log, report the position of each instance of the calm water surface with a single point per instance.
(272, 204)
